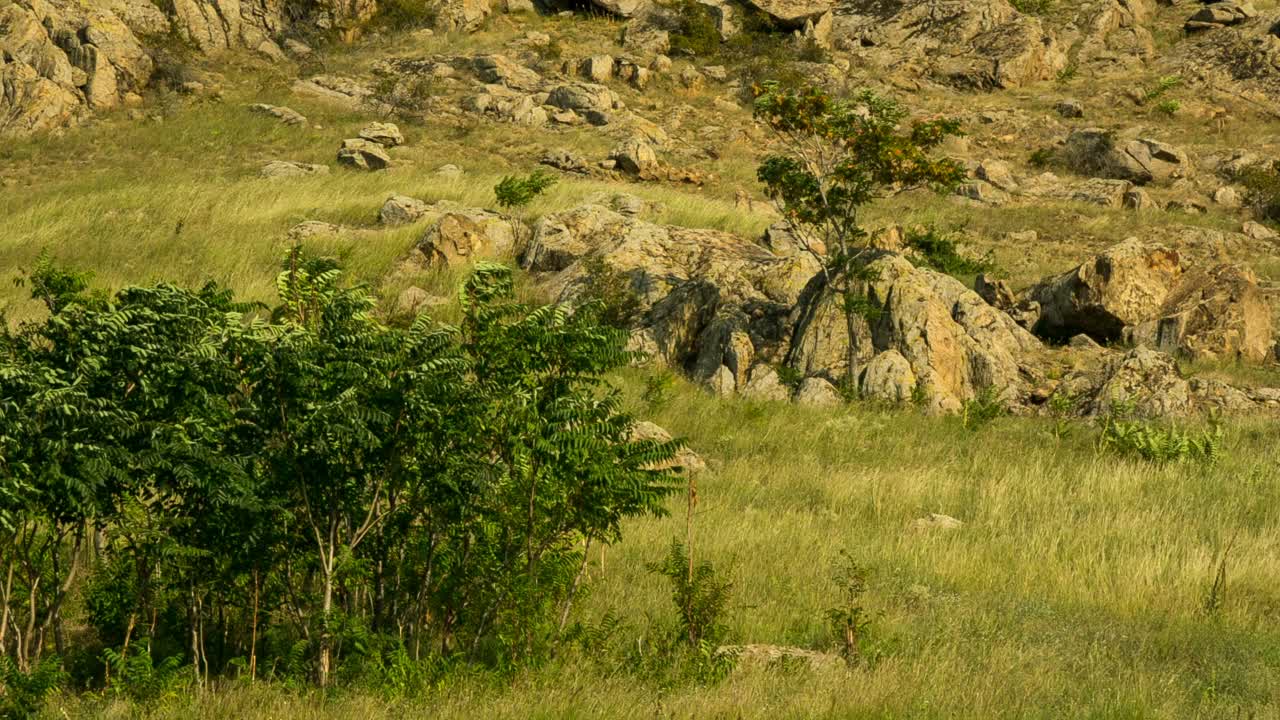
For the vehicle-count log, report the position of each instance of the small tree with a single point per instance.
(514, 191)
(833, 157)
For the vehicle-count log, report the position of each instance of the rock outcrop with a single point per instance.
(955, 345)
(1214, 313)
(978, 44)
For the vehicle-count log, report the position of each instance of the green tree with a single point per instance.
(832, 157)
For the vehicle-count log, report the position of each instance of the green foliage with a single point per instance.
(25, 691)
(249, 474)
(700, 595)
(1168, 107)
(1161, 444)
(937, 251)
(1262, 184)
(406, 97)
(1042, 157)
(514, 191)
(1068, 73)
(982, 410)
(406, 14)
(612, 290)
(658, 389)
(1160, 88)
(850, 621)
(693, 30)
(1033, 7)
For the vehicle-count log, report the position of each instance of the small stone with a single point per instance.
(1258, 231)
(313, 228)
(288, 116)
(937, 521)
(289, 168)
(449, 172)
(1070, 108)
(1228, 197)
(297, 48)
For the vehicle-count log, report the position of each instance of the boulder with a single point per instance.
(636, 156)
(1125, 285)
(957, 345)
(700, 293)
(363, 155)
(584, 97)
(1218, 313)
(1070, 109)
(1096, 152)
(597, 68)
(818, 392)
(685, 459)
(402, 210)
(1258, 231)
(765, 385)
(976, 44)
(385, 134)
(501, 70)
(1220, 14)
(1143, 381)
(888, 377)
(460, 238)
(461, 15)
(793, 13)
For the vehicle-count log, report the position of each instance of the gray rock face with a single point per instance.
(1145, 381)
(636, 156)
(584, 97)
(888, 377)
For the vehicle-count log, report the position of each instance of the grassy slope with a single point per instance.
(1075, 588)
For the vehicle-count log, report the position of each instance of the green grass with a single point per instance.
(1076, 587)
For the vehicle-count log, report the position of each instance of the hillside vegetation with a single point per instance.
(639, 359)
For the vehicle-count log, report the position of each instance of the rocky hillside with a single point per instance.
(1113, 151)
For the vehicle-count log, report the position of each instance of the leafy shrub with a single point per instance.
(1161, 444)
(849, 620)
(699, 594)
(514, 191)
(658, 390)
(25, 692)
(406, 14)
(612, 290)
(137, 676)
(1033, 7)
(1161, 86)
(1168, 107)
(693, 29)
(982, 410)
(1042, 157)
(937, 251)
(1068, 73)
(1262, 184)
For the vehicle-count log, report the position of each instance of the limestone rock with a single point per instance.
(636, 157)
(1126, 284)
(1258, 231)
(385, 134)
(700, 292)
(1096, 152)
(1143, 380)
(584, 97)
(402, 210)
(363, 155)
(793, 13)
(289, 168)
(1217, 313)
(288, 116)
(309, 229)
(460, 238)
(764, 384)
(818, 392)
(888, 377)
(685, 459)
(956, 344)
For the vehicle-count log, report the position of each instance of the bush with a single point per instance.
(406, 14)
(700, 595)
(693, 30)
(514, 191)
(1262, 184)
(1161, 444)
(937, 251)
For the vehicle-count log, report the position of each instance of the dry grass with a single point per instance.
(1076, 587)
